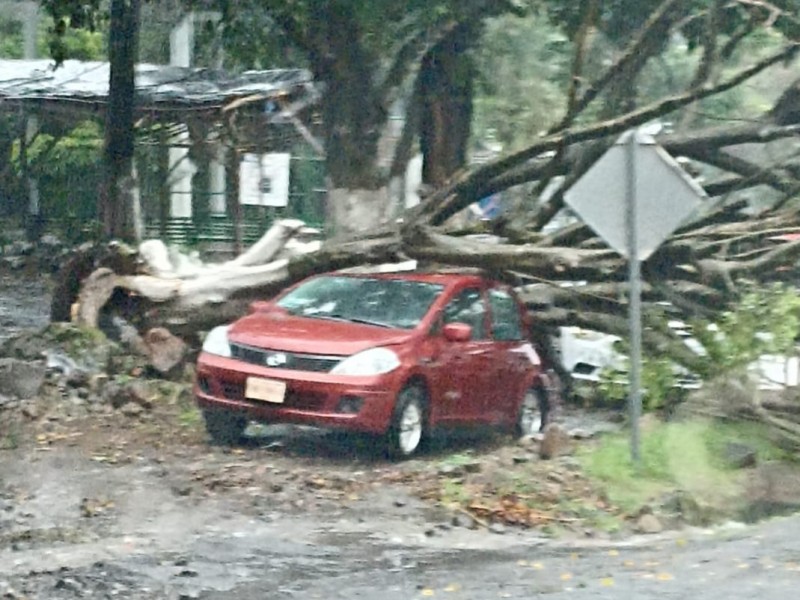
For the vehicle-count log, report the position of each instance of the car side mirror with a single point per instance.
(457, 332)
(259, 306)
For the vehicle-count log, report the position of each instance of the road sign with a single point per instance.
(634, 197)
(665, 195)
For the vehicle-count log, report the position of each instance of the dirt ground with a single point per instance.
(145, 509)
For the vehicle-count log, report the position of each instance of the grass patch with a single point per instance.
(687, 456)
(190, 417)
(458, 459)
(454, 493)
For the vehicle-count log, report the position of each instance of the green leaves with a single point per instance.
(69, 14)
(766, 321)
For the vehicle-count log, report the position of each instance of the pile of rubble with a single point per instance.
(43, 256)
(64, 372)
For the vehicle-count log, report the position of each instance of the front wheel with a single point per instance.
(224, 428)
(534, 412)
(408, 427)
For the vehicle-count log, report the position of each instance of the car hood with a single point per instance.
(280, 331)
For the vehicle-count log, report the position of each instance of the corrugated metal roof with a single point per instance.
(37, 80)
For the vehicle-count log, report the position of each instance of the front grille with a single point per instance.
(232, 391)
(284, 360)
(303, 400)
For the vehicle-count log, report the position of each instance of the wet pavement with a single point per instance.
(74, 526)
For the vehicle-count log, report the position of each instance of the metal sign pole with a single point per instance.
(635, 297)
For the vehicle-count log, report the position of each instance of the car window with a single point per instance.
(376, 301)
(506, 318)
(467, 307)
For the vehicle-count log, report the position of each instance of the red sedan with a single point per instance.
(398, 355)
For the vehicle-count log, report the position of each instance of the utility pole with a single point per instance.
(119, 209)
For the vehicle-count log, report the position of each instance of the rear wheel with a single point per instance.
(533, 412)
(408, 428)
(224, 428)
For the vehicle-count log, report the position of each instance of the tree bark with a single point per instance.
(446, 89)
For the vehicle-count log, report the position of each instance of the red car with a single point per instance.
(398, 355)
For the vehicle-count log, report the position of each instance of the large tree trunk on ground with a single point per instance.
(157, 294)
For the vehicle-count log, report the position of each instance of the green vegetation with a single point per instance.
(765, 321)
(685, 456)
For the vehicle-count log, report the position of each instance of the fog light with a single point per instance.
(350, 405)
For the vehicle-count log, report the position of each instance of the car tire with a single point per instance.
(224, 428)
(409, 428)
(533, 413)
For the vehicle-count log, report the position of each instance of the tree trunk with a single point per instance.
(353, 120)
(118, 209)
(446, 89)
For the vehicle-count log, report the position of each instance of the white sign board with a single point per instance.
(665, 195)
(264, 179)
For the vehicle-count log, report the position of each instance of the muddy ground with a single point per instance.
(109, 512)
(137, 504)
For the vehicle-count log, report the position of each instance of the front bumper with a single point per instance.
(318, 399)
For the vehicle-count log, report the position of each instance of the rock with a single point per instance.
(472, 467)
(464, 520)
(739, 456)
(581, 434)
(20, 378)
(555, 477)
(450, 471)
(518, 460)
(775, 484)
(133, 392)
(131, 409)
(556, 442)
(497, 528)
(166, 352)
(649, 523)
(31, 411)
(400, 502)
(78, 378)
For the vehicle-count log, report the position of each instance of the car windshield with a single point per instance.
(397, 303)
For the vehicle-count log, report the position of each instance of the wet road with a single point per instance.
(151, 538)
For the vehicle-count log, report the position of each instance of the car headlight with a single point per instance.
(374, 361)
(216, 342)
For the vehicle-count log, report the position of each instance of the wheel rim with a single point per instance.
(530, 421)
(410, 432)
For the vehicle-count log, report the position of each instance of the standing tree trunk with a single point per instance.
(353, 120)
(446, 89)
(118, 209)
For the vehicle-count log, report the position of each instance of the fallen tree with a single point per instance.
(697, 271)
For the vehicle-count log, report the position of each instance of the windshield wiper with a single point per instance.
(368, 322)
(349, 319)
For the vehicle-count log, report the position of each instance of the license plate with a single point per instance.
(265, 390)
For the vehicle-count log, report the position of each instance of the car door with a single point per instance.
(462, 368)
(514, 361)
